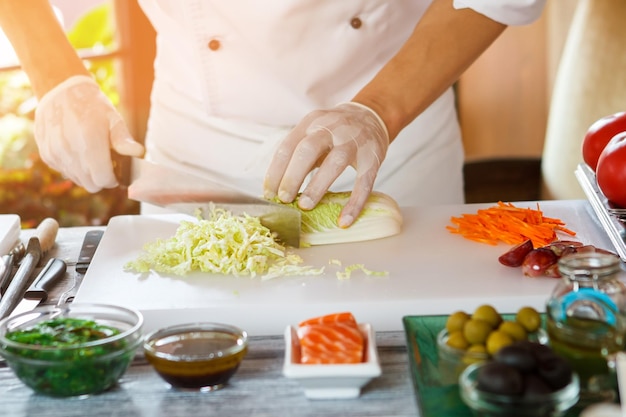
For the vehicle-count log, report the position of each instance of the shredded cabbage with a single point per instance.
(222, 244)
(240, 245)
(347, 272)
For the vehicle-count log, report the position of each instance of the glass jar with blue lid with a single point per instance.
(586, 313)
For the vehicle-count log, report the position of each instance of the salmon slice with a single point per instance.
(330, 343)
(343, 317)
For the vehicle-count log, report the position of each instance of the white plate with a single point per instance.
(332, 381)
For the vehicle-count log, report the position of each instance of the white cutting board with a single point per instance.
(431, 271)
(9, 232)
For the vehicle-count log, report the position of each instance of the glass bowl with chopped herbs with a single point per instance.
(73, 349)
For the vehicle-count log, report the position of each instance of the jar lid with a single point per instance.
(588, 303)
(590, 265)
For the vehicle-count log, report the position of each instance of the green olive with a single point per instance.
(476, 331)
(457, 340)
(497, 340)
(529, 318)
(475, 353)
(514, 329)
(479, 349)
(489, 314)
(456, 321)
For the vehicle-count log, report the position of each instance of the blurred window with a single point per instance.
(106, 35)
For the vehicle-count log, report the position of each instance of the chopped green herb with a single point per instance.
(65, 358)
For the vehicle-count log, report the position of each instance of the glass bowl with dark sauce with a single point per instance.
(196, 356)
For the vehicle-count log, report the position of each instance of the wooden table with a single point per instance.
(258, 388)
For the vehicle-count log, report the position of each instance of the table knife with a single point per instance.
(48, 277)
(37, 293)
(190, 193)
(87, 251)
(9, 261)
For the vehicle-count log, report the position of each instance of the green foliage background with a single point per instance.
(27, 186)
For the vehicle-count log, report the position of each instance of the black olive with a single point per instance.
(556, 372)
(540, 351)
(535, 386)
(499, 378)
(518, 357)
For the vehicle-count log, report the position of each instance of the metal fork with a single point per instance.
(620, 213)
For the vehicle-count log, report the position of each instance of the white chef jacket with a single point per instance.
(233, 77)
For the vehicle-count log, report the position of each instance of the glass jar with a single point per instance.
(586, 313)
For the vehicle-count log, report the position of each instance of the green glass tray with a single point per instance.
(436, 388)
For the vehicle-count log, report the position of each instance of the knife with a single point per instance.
(10, 260)
(38, 244)
(87, 251)
(48, 277)
(184, 192)
(37, 293)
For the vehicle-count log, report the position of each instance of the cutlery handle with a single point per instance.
(121, 168)
(46, 232)
(87, 251)
(47, 278)
(21, 281)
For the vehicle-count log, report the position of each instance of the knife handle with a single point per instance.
(22, 279)
(121, 168)
(49, 275)
(87, 250)
(46, 232)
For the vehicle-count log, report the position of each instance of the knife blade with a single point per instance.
(186, 192)
(38, 244)
(87, 251)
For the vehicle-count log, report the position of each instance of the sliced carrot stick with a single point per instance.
(507, 223)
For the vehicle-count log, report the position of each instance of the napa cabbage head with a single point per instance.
(381, 217)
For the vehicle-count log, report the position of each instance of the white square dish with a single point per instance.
(332, 381)
(9, 232)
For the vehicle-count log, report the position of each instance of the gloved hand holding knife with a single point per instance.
(75, 127)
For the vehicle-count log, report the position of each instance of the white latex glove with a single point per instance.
(76, 126)
(350, 134)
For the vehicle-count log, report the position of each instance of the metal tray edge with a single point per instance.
(612, 226)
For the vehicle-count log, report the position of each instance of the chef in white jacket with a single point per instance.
(281, 96)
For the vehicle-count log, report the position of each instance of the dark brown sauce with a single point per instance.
(191, 364)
